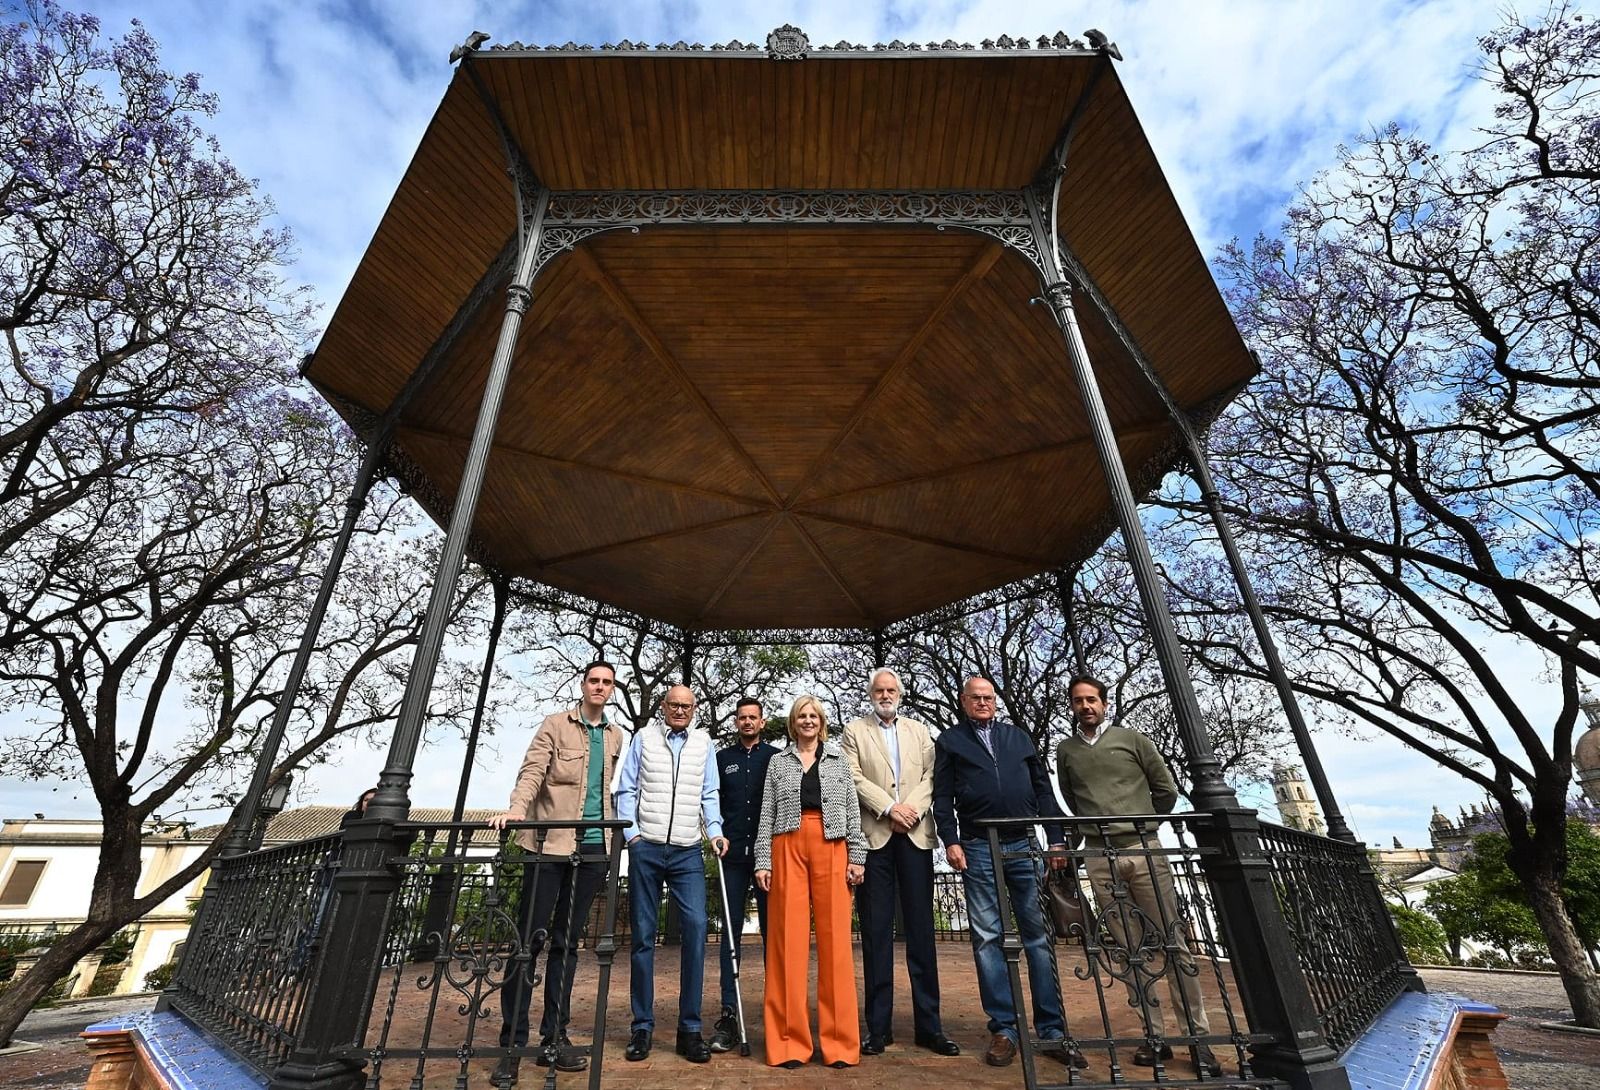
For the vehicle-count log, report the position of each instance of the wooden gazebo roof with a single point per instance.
(781, 425)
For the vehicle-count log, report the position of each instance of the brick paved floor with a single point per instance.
(902, 1066)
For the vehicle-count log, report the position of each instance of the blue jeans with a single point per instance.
(983, 920)
(684, 873)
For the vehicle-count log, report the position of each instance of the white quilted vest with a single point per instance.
(669, 797)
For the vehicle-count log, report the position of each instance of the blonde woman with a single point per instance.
(809, 854)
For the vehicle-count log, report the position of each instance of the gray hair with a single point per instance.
(877, 671)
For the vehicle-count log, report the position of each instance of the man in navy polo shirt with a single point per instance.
(742, 773)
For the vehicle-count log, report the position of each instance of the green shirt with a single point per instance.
(593, 799)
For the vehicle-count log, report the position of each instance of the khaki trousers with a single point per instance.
(1143, 921)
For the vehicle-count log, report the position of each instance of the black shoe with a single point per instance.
(790, 1065)
(561, 1054)
(693, 1047)
(1206, 1062)
(937, 1043)
(639, 1045)
(726, 1033)
(505, 1072)
(840, 1065)
(873, 1044)
(1065, 1054)
(1147, 1056)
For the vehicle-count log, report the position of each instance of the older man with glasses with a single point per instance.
(667, 793)
(986, 768)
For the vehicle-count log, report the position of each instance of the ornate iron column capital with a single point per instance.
(517, 298)
(1059, 294)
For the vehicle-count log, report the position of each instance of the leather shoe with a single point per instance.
(639, 1045)
(873, 1044)
(938, 1044)
(693, 1047)
(1147, 1056)
(1001, 1051)
(1066, 1054)
(505, 1072)
(1206, 1062)
(562, 1055)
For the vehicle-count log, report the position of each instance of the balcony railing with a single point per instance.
(253, 953)
(457, 937)
(1151, 951)
(1143, 974)
(1351, 957)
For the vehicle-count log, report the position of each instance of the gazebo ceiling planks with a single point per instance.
(782, 424)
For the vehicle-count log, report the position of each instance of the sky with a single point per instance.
(325, 102)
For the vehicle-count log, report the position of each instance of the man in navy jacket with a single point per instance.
(987, 768)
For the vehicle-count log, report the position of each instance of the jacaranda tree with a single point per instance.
(168, 491)
(1418, 466)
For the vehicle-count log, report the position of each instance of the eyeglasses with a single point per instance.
(677, 707)
(980, 699)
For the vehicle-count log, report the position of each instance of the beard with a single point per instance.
(887, 709)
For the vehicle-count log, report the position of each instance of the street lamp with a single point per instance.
(273, 800)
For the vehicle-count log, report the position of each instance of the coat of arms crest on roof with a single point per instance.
(788, 43)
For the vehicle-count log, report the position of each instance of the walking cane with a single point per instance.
(730, 932)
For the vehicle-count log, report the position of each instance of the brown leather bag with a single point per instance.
(1065, 905)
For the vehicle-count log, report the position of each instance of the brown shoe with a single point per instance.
(1002, 1050)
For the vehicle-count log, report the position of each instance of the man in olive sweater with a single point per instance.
(1105, 770)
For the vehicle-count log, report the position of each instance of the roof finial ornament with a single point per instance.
(1098, 39)
(788, 43)
(474, 40)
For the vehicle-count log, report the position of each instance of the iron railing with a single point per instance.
(1152, 960)
(254, 950)
(442, 989)
(1352, 959)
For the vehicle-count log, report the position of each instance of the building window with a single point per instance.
(20, 884)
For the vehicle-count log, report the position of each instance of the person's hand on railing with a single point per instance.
(500, 821)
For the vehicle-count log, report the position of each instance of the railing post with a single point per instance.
(1277, 997)
(340, 993)
(1267, 971)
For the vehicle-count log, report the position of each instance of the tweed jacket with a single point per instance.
(780, 803)
(862, 742)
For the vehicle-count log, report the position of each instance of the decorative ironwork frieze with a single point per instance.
(574, 216)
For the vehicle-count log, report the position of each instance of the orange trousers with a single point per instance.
(808, 872)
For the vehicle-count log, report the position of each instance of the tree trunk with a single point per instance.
(116, 877)
(19, 997)
(1572, 962)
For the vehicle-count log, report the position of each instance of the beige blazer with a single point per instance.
(874, 775)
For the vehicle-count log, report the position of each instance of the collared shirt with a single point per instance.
(628, 785)
(1091, 739)
(742, 773)
(594, 790)
(982, 728)
(891, 741)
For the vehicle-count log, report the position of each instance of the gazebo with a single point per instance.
(811, 340)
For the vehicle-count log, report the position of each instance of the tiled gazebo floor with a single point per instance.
(902, 1066)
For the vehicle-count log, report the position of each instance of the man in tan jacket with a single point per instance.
(891, 757)
(565, 776)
